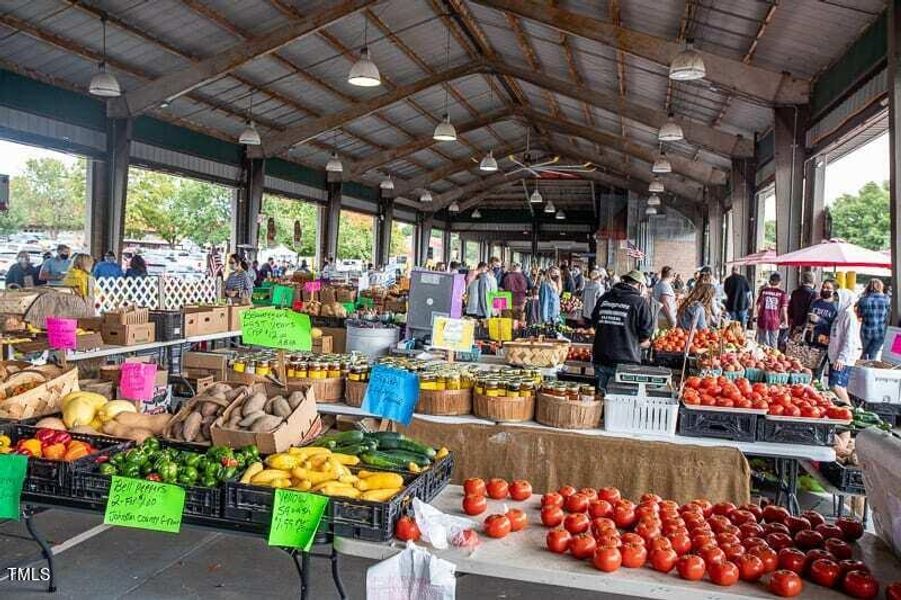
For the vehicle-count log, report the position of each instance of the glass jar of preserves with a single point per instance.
(440, 382)
(263, 368)
(291, 369)
(428, 382)
(586, 393)
(492, 388)
(466, 380)
(454, 381)
(572, 392)
(513, 389)
(316, 370)
(355, 374)
(302, 370)
(251, 367)
(239, 366)
(334, 370)
(527, 389)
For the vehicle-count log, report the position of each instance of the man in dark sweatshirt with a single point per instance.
(623, 325)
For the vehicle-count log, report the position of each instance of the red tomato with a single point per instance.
(650, 497)
(816, 554)
(860, 584)
(576, 523)
(518, 519)
(796, 524)
(624, 516)
(725, 573)
(474, 485)
(808, 539)
(852, 529)
(792, 559)
(498, 489)
(701, 541)
(660, 543)
(607, 559)
(634, 555)
(497, 526)
(609, 540)
(749, 530)
(774, 528)
(740, 517)
(648, 530)
(750, 542)
(474, 504)
(681, 543)
(775, 514)
(718, 523)
(847, 566)
(724, 539)
(552, 499)
(663, 559)
(576, 503)
(551, 516)
(582, 546)
(632, 538)
(733, 551)
(829, 531)
(520, 490)
(754, 509)
(406, 529)
(600, 508)
(750, 567)
(610, 494)
(713, 556)
(603, 526)
(590, 493)
(893, 591)
(786, 584)
(839, 548)
(691, 567)
(767, 556)
(778, 541)
(558, 540)
(723, 508)
(824, 572)
(566, 490)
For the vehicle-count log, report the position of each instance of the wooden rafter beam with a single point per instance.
(184, 80)
(476, 187)
(525, 46)
(725, 73)
(448, 170)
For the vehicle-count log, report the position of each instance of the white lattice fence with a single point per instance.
(115, 292)
(179, 292)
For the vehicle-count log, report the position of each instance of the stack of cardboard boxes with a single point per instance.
(128, 327)
(206, 320)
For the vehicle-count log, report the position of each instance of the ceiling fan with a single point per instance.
(539, 165)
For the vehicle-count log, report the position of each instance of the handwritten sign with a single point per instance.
(295, 518)
(500, 300)
(144, 504)
(276, 328)
(392, 394)
(61, 333)
(453, 334)
(13, 468)
(136, 381)
(283, 295)
(312, 286)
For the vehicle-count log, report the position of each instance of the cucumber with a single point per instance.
(414, 446)
(347, 438)
(384, 435)
(326, 441)
(354, 449)
(382, 460)
(389, 443)
(405, 457)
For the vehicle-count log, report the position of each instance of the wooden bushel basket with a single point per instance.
(445, 402)
(504, 408)
(563, 413)
(354, 392)
(42, 400)
(326, 390)
(536, 353)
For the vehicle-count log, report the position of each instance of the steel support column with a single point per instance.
(108, 190)
(446, 246)
(790, 122)
(743, 199)
(894, 88)
(814, 201)
(424, 223)
(384, 227)
(329, 221)
(249, 204)
(715, 249)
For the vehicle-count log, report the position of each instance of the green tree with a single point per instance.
(149, 205)
(52, 193)
(14, 219)
(201, 211)
(769, 234)
(285, 211)
(863, 219)
(355, 236)
(401, 240)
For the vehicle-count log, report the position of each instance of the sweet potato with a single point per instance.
(155, 423)
(192, 426)
(266, 423)
(254, 403)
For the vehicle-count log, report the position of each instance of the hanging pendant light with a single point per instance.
(536, 198)
(425, 196)
(550, 208)
(662, 164)
(387, 183)
(670, 131)
(250, 136)
(104, 83)
(560, 215)
(364, 73)
(454, 207)
(334, 164)
(650, 210)
(444, 131)
(476, 214)
(687, 65)
(488, 163)
(654, 200)
(656, 186)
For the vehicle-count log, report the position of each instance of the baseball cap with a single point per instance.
(636, 276)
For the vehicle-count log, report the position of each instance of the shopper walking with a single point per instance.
(873, 309)
(623, 326)
(497, 269)
(238, 285)
(22, 274)
(477, 291)
(697, 309)
(591, 293)
(801, 300)
(108, 267)
(738, 296)
(549, 296)
(53, 270)
(78, 277)
(822, 313)
(678, 284)
(578, 280)
(514, 281)
(844, 345)
(772, 311)
(137, 267)
(664, 294)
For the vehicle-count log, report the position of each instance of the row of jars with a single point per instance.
(511, 383)
(570, 391)
(297, 366)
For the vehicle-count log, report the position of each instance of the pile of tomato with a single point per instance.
(475, 501)
(727, 543)
(796, 400)
(674, 340)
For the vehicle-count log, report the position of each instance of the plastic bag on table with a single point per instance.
(437, 528)
(414, 574)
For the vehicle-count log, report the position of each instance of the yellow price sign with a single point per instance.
(457, 335)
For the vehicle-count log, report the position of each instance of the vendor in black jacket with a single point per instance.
(623, 325)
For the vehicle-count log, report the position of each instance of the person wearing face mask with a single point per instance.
(23, 273)
(844, 345)
(239, 285)
(549, 296)
(54, 269)
(822, 313)
(108, 267)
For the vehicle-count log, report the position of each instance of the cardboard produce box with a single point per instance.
(91, 323)
(201, 364)
(205, 320)
(129, 335)
(339, 338)
(88, 341)
(300, 424)
(126, 316)
(323, 345)
(234, 316)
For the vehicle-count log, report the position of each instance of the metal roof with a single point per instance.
(410, 40)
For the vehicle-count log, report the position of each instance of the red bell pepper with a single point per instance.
(46, 436)
(62, 437)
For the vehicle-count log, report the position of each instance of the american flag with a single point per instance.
(632, 250)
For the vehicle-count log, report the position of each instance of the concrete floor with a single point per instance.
(100, 563)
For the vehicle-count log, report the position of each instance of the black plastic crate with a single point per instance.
(54, 477)
(435, 478)
(733, 425)
(890, 413)
(170, 324)
(670, 360)
(847, 479)
(317, 321)
(795, 432)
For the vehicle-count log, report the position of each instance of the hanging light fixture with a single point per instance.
(650, 210)
(560, 215)
(476, 214)
(364, 73)
(387, 183)
(670, 131)
(654, 200)
(536, 198)
(425, 196)
(687, 65)
(104, 83)
(334, 164)
(444, 131)
(250, 136)
(489, 163)
(656, 186)
(662, 164)
(550, 208)
(454, 207)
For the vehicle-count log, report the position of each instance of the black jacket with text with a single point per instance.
(622, 320)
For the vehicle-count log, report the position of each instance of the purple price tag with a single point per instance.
(61, 333)
(312, 286)
(136, 381)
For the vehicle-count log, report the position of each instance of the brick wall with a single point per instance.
(680, 254)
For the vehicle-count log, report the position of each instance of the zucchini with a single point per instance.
(326, 441)
(354, 449)
(404, 457)
(382, 460)
(389, 443)
(347, 438)
(417, 448)
(378, 436)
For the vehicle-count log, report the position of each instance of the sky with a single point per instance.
(850, 173)
(13, 156)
